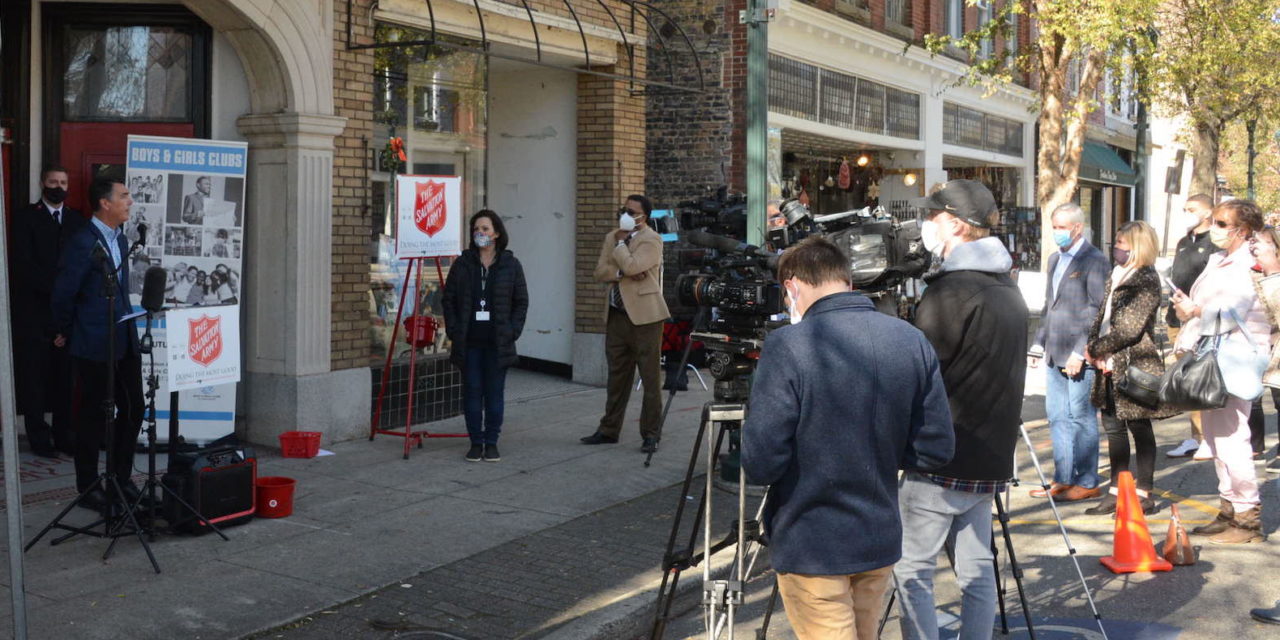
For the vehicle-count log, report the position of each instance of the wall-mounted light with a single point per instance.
(864, 160)
(909, 179)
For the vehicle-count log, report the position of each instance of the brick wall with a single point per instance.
(690, 134)
(611, 157)
(353, 99)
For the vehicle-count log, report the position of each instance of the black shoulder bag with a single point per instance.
(1194, 382)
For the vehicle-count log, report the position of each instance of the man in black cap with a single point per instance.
(975, 318)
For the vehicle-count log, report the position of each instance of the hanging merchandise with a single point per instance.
(873, 191)
(845, 179)
(804, 197)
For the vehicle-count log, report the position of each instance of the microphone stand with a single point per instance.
(113, 523)
(149, 487)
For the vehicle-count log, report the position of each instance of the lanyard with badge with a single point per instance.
(483, 314)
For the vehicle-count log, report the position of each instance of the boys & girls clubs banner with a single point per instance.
(190, 195)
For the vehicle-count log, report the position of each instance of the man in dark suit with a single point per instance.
(38, 234)
(1077, 277)
(80, 320)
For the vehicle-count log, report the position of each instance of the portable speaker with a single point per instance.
(217, 482)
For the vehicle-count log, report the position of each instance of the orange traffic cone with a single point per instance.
(1134, 551)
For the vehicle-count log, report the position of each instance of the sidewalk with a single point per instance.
(363, 518)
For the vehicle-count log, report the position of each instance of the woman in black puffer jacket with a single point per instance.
(485, 303)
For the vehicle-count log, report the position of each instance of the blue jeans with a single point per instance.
(483, 380)
(1073, 427)
(931, 516)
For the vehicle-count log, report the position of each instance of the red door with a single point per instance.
(91, 148)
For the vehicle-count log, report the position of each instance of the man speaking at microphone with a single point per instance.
(839, 404)
(80, 315)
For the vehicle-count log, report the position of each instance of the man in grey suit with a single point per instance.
(1077, 278)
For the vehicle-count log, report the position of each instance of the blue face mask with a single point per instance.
(1062, 238)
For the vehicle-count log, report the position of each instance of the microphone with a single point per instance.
(725, 244)
(153, 289)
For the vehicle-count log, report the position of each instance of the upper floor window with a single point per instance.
(953, 18)
(1011, 43)
(897, 12)
(984, 17)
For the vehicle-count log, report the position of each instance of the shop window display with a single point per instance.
(432, 99)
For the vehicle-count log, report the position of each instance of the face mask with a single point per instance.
(792, 313)
(1062, 238)
(1193, 220)
(482, 240)
(930, 238)
(1121, 256)
(627, 222)
(55, 195)
(1219, 237)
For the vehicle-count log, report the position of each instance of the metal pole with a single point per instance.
(1252, 127)
(8, 422)
(756, 18)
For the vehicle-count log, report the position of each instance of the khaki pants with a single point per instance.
(834, 607)
(628, 347)
(1197, 432)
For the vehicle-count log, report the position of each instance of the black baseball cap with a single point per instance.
(968, 200)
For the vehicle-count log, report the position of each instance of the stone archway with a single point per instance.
(286, 48)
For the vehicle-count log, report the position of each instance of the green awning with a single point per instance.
(1100, 163)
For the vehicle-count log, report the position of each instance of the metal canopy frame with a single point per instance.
(641, 8)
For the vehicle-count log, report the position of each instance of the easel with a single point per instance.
(410, 436)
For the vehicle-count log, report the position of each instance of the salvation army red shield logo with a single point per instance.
(205, 341)
(429, 210)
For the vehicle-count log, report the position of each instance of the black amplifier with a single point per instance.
(217, 482)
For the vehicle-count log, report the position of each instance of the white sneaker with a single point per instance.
(1203, 453)
(1185, 449)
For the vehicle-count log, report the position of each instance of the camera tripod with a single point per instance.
(721, 598)
(1003, 517)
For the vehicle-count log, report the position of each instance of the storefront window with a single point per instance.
(434, 99)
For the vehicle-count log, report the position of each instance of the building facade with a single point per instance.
(539, 108)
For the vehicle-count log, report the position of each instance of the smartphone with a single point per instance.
(1172, 287)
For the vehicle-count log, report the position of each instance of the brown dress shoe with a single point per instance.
(1054, 490)
(1077, 493)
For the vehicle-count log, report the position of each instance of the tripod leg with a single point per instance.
(1062, 528)
(1013, 565)
(1000, 590)
(768, 611)
(671, 393)
(137, 530)
(57, 520)
(663, 609)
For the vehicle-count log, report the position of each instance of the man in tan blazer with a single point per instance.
(631, 265)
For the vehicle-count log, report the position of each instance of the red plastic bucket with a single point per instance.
(274, 496)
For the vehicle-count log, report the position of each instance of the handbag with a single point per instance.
(1141, 386)
(1242, 363)
(1177, 546)
(1194, 382)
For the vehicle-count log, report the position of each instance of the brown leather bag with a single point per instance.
(1177, 547)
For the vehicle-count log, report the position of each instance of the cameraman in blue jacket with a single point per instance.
(840, 403)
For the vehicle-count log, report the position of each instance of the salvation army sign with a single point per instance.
(429, 216)
(204, 340)
(429, 210)
(204, 346)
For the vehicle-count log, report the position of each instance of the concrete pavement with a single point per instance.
(563, 541)
(363, 518)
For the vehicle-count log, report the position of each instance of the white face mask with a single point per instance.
(627, 222)
(792, 313)
(930, 238)
(1219, 237)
